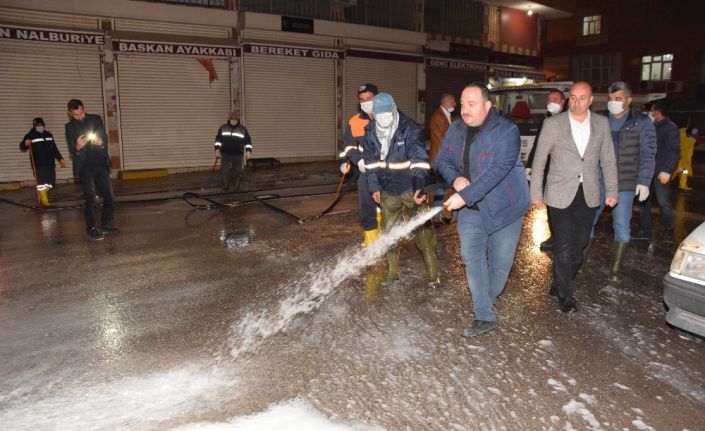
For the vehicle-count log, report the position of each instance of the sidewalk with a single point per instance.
(297, 174)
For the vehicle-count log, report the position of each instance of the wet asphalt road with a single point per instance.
(137, 331)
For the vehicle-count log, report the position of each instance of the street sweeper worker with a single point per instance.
(352, 162)
(397, 169)
(232, 143)
(43, 156)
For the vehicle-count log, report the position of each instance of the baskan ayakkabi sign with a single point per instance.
(174, 48)
(48, 35)
(288, 51)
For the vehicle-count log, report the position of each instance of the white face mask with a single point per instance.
(39, 129)
(233, 122)
(651, 116)
(451, 109)
(384, 118)
(615, 107)
(366, 107)
(553, 108)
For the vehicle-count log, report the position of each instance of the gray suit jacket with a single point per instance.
(566, 166)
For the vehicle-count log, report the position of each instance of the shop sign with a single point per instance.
(456, 64)
(49, 35)
(174, 48)
(287, 51)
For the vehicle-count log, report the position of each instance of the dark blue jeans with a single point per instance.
(367, 207)
(662, 194)
(97, 178)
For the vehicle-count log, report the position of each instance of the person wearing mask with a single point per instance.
(481, 158)
(555, 105)
(397, 169)
(352, 160)
(634, 140)
(232, 143)
(439, 122)
(580, 146)
(43, 156)
(688, 137)
(667, 155)
(88, 142)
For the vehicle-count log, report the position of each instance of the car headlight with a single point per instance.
(689, 264)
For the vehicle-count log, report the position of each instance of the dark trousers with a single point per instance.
(230, 169)
(571, 230)
(662, 194)
(46, 175)
(97, 178)
(367, 207)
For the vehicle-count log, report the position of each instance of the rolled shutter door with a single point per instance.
(394, 77)
(37, 80)
(290, 106)
(169, 113)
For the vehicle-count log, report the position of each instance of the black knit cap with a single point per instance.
(368, 87)
(38, 120)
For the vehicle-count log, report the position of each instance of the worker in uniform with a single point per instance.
(232, 143)
(688, 137)
(43, 155)
(352, 160)
(397, 167)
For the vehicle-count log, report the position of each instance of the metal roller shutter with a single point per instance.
(37, 80)
(290, 106)
(394, 77)
(169, 114)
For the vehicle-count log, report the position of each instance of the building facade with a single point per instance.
(164, 74)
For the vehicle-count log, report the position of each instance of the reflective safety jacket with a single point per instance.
(406, 167)
(352, 138)
(233, 139)
(44, 150)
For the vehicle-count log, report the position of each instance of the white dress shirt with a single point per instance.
(445, 111)
(581, 134)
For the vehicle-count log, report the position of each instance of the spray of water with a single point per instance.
(307, 294)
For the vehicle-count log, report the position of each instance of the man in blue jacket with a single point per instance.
(668, 151)
(634, 140)
(480, 157)
(397, 169)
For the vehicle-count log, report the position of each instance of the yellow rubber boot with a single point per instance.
(43, 193)
(379, 220)
(369, 237)
(683, 181)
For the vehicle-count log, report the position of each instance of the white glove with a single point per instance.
(664, 177)
(345, 168)
(361, 165)
(528, 173)
(642, 192)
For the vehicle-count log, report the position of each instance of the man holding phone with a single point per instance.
(88, 143)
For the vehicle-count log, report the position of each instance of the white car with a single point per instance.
(684, 285)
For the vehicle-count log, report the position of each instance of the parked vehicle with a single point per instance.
(684, 285)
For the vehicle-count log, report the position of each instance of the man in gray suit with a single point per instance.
(580, 146)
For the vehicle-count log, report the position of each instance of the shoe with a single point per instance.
(568, 305)
(94, 234)
(546, 245)
(434, 283)
(478, 327)
(369, 236)
(109, 229)
(392, 269)
(553, 291)
(641, 235)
